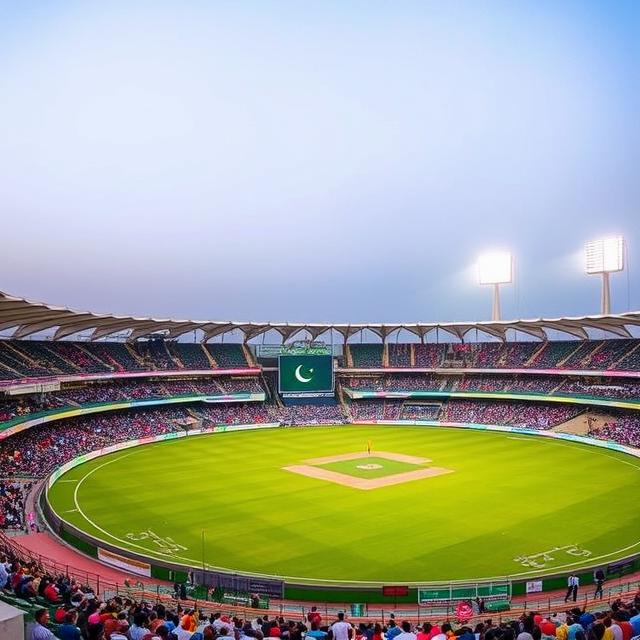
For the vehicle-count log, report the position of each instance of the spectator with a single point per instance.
(39, 630)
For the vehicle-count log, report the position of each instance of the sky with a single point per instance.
(317, 161)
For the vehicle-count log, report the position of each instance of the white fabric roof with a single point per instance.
(26, 317)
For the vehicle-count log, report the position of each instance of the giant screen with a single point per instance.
(298, 374)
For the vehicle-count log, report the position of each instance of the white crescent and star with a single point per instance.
(300, 377)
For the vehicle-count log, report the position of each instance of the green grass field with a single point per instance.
(508, 498)
(352, 467)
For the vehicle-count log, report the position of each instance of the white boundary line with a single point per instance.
(501, 429)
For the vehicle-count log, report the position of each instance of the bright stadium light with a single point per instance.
(602, 257)
(495, 268)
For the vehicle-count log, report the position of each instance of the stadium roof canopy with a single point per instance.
(26, 317)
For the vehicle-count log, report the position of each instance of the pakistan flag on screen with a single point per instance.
(300, 374)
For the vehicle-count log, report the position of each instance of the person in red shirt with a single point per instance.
(625, 625)
(548, 628)
(314, 616)
(59, 615)
(51, 593)
(425, 632)
(274, 630)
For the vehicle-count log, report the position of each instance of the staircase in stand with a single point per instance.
(536, 354)
(135, 355)
(210, 358)
(247, 354)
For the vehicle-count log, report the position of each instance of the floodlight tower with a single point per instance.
(495, 268)
(602, 257)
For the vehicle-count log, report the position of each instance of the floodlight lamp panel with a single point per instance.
(605, 255)
(495, 268)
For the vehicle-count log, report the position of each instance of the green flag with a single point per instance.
(299, 374)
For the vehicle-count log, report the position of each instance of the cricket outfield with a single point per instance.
(360, 504)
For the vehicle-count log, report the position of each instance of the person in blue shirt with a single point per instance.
(586, 619)
(315, 632)
(575, 628)
(393, 630)
(68, 629)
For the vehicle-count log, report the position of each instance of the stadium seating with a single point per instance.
(35, 452)
(227, 355)
(400, 355)
(34, 358)
(41, 353)
(112, 391)
(372, 409)
(75, 354)
(189, 355)
(12, 503)
(620, 427)
(420, 411)
(38, 358)
(623, 355)
(139, 613)
(366, 354)
(156, 355)
(429, 356)
(116, 355)
(535, 415)
(311, 414)
(614, 388)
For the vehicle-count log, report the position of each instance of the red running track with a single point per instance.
(77, 564)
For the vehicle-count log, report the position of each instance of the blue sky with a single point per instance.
(329, 161)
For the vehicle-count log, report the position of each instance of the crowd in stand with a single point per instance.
(12, 406)
(301, 414)
(376, 409)
(419, 382)
(428, 356)
(23, 358)
(20, 358)
(620, 427)
(420, 411)
(227, 355)
(534, 415)
(399, 355)
(237, 413)
(26, 358)
(12, 503)
(366, 354)
(615, 388)
(34, 452)
(621, 354)
(624, 389)
(241, 385)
